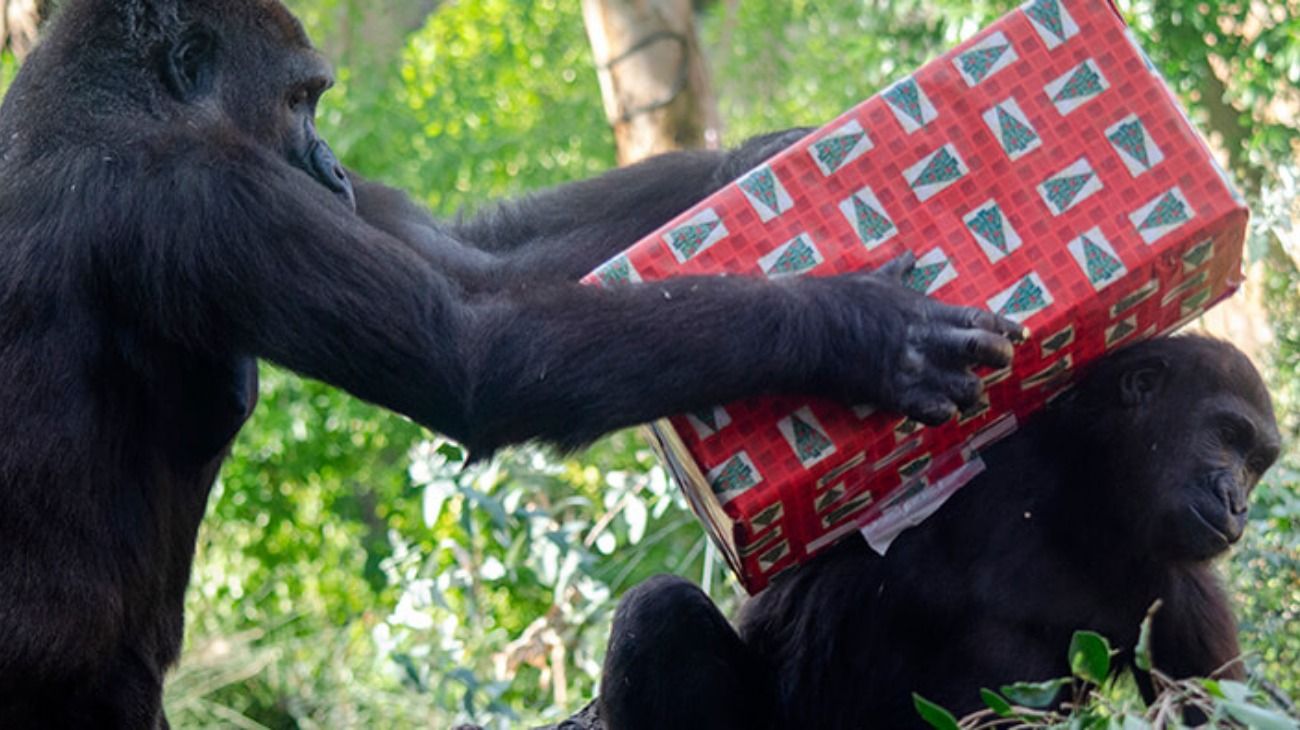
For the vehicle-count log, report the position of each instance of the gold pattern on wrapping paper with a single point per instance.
(1121, 331)
(773, 556)
(1134, 298)
(1184, 287)
(1193, 303)
(763, 543)
(1198, 256)
(830, 497)
(1048, 374)
(905, 428)
(860, 502)
(895, 455)
(1057, 342)
(858, 459)
(767, 517)
(915, 466)
(997, 376)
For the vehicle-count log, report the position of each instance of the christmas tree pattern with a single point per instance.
(761, 185)
(977, 64)
(943, 168)
(1121, 330)
(1131, 138)
(1028, 297)
(1048, 14)
(1016, 135)
(737, 475)
(1100, 264)
(921, 278)
(1084, 83)
(872, 225)
(1169, 211)
(798, 256)
(690, 238)
(1198, 255)
(618, 271)
(987, 224)
(906, 97)
(1062, 191)
(708, 417)
(832, 151)
(809, 443)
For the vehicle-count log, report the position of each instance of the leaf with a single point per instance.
(1234, 691)
(1142, 652)
(1258, 718)
(936, 716)
(995, 702)
(1090, 657)
(1037, 695)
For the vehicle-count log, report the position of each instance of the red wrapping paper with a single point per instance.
(1042, 170)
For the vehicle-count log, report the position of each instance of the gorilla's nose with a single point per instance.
(327, 169)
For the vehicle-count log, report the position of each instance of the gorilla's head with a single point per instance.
(1173, 435)
(238, 69)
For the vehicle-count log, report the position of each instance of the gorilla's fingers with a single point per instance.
(956, 347)
(976, 318)
(899, 267)
(963, 389)
(930, 409)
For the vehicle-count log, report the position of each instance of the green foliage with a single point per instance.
(1029, 705)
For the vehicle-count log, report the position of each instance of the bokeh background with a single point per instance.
(351, 574)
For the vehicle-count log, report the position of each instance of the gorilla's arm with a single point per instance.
(303, 282)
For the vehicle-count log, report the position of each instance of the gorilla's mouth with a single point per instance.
(1217, 532)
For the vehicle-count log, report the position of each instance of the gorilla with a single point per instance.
(169, 215)
(1122, 492)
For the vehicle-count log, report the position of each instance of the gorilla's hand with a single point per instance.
(902, 351)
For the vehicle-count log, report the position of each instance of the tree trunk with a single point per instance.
(20, 24)
(653, 78)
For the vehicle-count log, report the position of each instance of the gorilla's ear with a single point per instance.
(1141, 380)
(189, 64)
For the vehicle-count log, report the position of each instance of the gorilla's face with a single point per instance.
(1193, 434)
(251, 62)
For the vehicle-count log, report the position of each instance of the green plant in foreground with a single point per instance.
(1030, 705)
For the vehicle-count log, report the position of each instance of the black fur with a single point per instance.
(168, 215)
(1120, 494)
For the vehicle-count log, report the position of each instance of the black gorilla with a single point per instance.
(1119, 494)
(168, 214)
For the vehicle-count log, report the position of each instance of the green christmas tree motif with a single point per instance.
(1016, 135)
(1084, 82)
(618, 271)
(832, 151)
(922, 277)
(1028, 297)
(906, 97)
(1121, 330)
(690, 238)
(1198, 254)
(798, 256)
(1131, 138)
(872, 226)
(735, 476)
(987, 224)
(977, 64)
(1063, 190)
(943, 168)
(809, 443)
(1169, 211)
(1048, 15)
(1101, 265)
(708, 417)
(762, 186)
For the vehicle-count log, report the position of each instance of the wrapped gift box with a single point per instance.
(1042, 170)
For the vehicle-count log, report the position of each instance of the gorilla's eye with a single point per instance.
(1237, 433)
